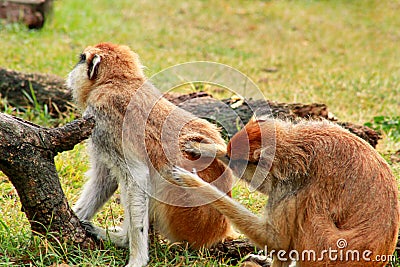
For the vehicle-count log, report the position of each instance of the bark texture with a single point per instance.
(27, 154)
(32, 13)
(48, 90)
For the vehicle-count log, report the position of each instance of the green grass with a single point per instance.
(342, 53)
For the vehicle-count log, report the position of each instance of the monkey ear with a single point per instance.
(94, 67)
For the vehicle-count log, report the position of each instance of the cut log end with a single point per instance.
(32, 13)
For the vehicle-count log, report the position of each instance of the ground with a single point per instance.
(341, 53)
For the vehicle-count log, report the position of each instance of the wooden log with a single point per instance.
(51, 91)
(32, 13)
(48, 90)
(27, 154)
(231, 119)
(238, 249)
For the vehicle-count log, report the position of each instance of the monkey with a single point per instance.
(137, 139)
(327, 190)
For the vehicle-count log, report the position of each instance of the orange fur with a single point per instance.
(324, 184)
(342, 189)
(118, 80)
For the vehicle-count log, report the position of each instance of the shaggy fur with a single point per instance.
(324, 184)
(109, 84)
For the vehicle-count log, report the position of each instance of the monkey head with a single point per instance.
(104, 63)
(252, 149)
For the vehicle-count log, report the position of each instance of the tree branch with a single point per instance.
(27, 157)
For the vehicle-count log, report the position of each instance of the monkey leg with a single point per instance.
(136, 206)
(135, 228)
(259, 230)
(119, 238)
(97, 190)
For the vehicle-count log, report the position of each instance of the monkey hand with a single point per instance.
(90, 229)
(209, 150)
(183, 177)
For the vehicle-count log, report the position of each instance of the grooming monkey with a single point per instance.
(134, 145)
(324, 185)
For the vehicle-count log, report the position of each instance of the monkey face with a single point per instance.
(102, 64)
(253, 173)
(244, 146)
(251, 152)
(79, 81)
(243, 168)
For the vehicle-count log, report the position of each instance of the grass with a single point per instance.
(342, 53)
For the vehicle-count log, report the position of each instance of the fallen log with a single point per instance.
(231, 119)
(18, 89)
(27, 154)
(50, 90)
(32, 13)
(238, 249)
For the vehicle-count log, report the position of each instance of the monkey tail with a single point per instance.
(256, 228)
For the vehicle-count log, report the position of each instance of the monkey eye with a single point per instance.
(82, 58)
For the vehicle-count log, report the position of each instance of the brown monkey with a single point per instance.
(137, 139)
(328, 190)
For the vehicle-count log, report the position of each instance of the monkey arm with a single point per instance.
(97, 190)
(259, 230)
